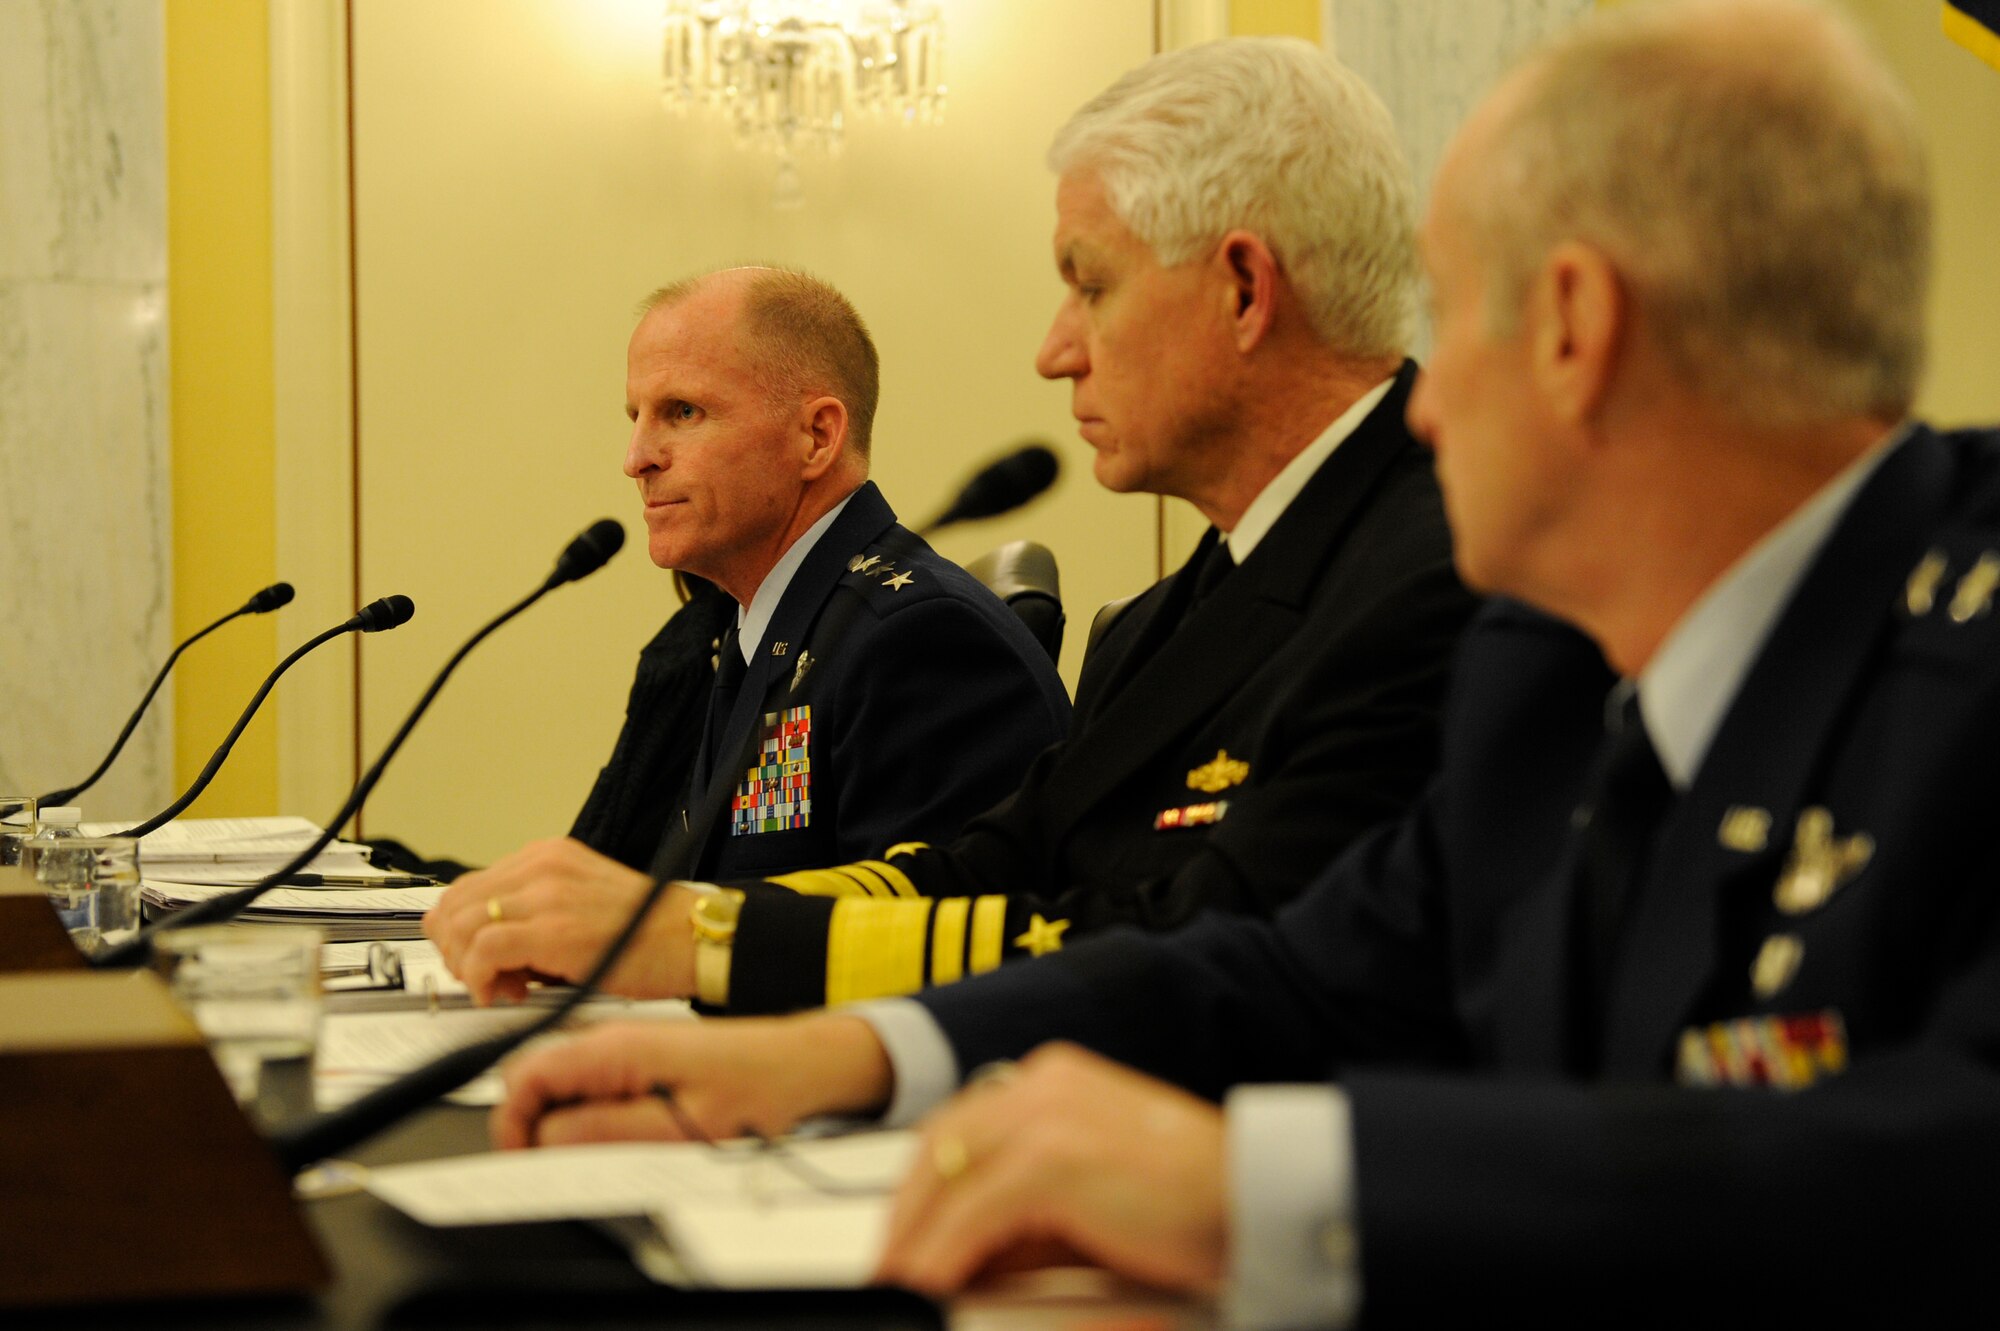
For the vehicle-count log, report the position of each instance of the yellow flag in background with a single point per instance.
(1975, 25)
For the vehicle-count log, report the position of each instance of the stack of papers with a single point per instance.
(237, 850)
(728, 1217)
(351, 914)
(193, 859)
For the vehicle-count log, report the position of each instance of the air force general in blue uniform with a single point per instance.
(884, 694)
(1818, 908)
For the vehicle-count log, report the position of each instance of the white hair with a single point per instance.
(1757, 177)
(1269, 135)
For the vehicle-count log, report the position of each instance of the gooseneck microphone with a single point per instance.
(1001, 487)
(273, 596)
(580, 558)
(387, 613)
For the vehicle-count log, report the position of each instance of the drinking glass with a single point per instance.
(254, 991)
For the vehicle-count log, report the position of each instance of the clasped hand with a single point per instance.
(547, 912)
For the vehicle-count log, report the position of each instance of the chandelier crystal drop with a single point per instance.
(788, 74)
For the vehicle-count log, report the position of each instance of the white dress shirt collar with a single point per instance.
(1690, 682)
(1278, 494)
(753, 619)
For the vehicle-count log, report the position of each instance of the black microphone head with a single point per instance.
(588, 552)
(387, 613)
(273, 596)
(1005, 485)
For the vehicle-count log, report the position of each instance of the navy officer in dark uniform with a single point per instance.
(866, 689)
(1235, 237)
(1676, 999)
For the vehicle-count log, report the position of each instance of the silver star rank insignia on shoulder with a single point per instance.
(900, 581)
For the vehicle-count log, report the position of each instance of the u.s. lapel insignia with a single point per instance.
(799, 670)
(859, 564)
(1973, 596)
(1745, 828)
(1043, 936)
(1218, 775)
(1820, 863)
(1920, 592)
(897, 583)
(780, 647)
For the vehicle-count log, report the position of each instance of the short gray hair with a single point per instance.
(1270, 135)
(1758, 178)
(808, 339)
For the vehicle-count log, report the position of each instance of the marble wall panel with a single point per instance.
(1432, 60)
(85, 555)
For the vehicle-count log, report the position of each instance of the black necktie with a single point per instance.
(1219, 565)
(729, 672)
(1627, 800)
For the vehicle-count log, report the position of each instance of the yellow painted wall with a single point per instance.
(219, 307)
(1275, 18)
(519, 186)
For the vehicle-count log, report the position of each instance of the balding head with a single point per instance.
(1754, 174)
(804, 338)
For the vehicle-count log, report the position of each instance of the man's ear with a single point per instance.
(1579, 313)
(822, 436)
(1251, 276)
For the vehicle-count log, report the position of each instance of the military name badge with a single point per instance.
(1782, 1053)
(775, 794)
(1819, 863)
(1190, 815)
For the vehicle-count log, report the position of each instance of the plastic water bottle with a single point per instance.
(77, 905)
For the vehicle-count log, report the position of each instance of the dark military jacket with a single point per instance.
(891, 694)
(1220, 755)
(1796, 1063)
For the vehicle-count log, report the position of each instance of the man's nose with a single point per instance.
(1061, 355)
(640, 454)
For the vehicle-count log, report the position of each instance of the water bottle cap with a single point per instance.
(62, 813)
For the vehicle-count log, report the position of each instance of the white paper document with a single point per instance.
(730, 1217)
(359, 1050)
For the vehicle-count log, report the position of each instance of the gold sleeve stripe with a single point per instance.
(989, 922)
(948, 940)
(905, 848)
(818, 883)
(875, 949)
(898, 881)
(872, 882)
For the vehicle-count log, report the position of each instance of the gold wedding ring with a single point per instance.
(493, 911)
(950, 1158)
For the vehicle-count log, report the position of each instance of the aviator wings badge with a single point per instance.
(1820, 863)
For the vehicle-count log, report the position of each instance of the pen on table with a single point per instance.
(357, 880)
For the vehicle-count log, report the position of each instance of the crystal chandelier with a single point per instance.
(789, 73)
